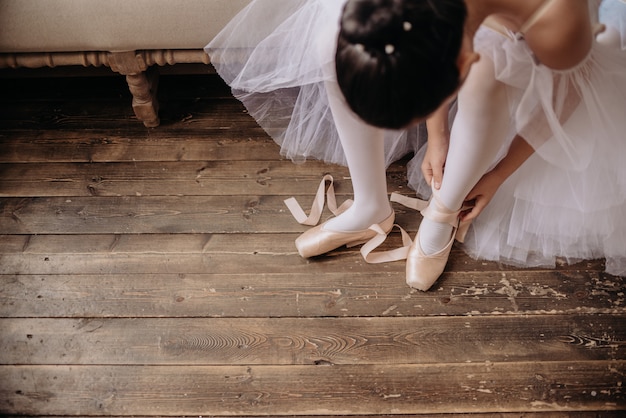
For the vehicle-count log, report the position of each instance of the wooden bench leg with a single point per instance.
(143, 86)
(142, 82)
(136, 66)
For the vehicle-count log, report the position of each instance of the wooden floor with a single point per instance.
(152, 272)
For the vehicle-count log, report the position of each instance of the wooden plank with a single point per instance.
(166, 179)
(207, 243)
(307, 341)
(37, 254)
(157, 215)
(233, 141)
(201, 178)
(176, 178)
(111, 145)
(315, 290)
(146, 215)
(76, 115)
(551, 414)
(336, 390)
(272, 259)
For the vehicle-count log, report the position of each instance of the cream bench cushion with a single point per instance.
(111, 25)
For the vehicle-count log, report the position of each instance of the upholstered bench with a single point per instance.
(129, 36)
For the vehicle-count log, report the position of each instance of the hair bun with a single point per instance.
(372, 22)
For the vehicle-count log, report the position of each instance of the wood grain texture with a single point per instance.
(549, 414)
(293, 295)
(203, 178)
(312, 341)
(338, 390)
(153, 272)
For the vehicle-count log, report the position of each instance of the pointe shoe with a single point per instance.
(422, 270)
(319, 240)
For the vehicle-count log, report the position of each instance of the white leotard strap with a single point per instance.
(535, 16)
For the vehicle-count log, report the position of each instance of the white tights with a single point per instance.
(478, 132)
(477, 135)
(363, 146)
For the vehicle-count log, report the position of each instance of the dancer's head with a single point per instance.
(398, 60)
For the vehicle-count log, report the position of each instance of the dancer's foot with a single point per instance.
(350, 226)
(357, 217)
(434, 236)
(322, 239)
(424, 268)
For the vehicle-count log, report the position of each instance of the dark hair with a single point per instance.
(396, 60)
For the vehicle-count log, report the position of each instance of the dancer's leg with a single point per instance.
(363, 146)
(478, 133)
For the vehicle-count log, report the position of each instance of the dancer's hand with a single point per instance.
(434, 162)
(488, 185)
(481, 195)
(437, 146)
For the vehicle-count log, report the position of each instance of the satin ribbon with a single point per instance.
(317, 206)
(367, 250)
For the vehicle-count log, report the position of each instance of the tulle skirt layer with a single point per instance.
(276, 56)
(567, 201)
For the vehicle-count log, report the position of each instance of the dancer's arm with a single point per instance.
(437, 146)
(483, 192)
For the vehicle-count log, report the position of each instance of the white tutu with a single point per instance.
(272, 55)
(568, 200)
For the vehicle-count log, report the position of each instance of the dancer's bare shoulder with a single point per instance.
(562, 36)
